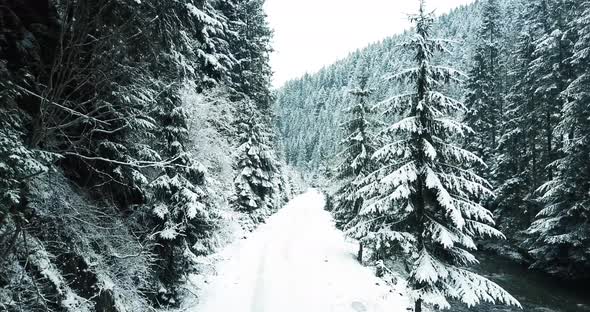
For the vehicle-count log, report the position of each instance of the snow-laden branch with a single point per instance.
(134, 164)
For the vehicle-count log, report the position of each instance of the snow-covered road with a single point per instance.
(297, 262)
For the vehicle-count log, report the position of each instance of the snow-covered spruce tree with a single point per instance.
(19, 163)
(251, 47)
(540, 73)
(179, 205)
(256, 164)
(484, 100)
(423, 201)
(192, 47)
(355, 156)
(514, 169)
(551, 73)
(181, 216)
(561, 234)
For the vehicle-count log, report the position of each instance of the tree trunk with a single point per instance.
(360, 253)
(418, 305)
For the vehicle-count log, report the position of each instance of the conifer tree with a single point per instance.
(561, 233)
(514, 146)
(549, 74)
(256, 165)
(484, 100)
(423, 201)
(357, 148)
(180, 212)
(528, 143)
(181, 215)
(250, 45)
(19, 163)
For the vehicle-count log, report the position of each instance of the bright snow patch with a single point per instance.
(298, 261)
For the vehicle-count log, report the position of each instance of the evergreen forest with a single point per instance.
(148, 163)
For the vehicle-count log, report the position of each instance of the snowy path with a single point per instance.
(297, 262)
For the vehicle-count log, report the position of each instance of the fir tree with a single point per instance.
(191, 48)
(256, 165)
(357, 148)
(19, 163)
(250, 45)
(179, 206)
(529, 144)
(423, 200)
(484, 99)
(514, 146)
(549, 76)
(561, 233)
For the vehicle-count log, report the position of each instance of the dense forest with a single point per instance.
(128, 129)
(147, 164)
(526, 116)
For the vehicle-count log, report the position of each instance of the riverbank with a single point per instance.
(536, 291)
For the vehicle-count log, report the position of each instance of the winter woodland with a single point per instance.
(147, 163)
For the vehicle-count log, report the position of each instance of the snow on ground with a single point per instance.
(297, 261)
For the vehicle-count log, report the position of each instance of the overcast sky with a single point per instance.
(310, 34)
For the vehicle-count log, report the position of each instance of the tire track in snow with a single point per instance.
(298, 262)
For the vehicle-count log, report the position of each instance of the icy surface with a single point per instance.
(298, 261)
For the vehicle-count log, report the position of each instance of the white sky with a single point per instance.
(310, 34)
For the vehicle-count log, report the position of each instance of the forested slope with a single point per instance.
(526, 99)
(311, 109)
(129, 131)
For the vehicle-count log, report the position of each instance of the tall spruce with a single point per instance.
(514, 147)
(250, 45)
(179, 204)
(561, 233)
(355, 157)
(552, 74)
(484, 99)
(423, 201)
(180, 214)
(529, 142)
(256, 163)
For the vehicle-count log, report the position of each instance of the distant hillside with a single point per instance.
(310, 108)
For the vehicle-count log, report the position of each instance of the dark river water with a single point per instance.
(536, 291)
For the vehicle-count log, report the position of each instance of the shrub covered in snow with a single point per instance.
(75, 254)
